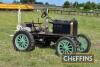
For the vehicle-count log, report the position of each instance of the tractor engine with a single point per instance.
(65, 27)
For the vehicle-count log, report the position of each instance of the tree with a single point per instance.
(81, 4)
(66, 4)
(46, 3)
(90, 5)
(98, 6)
(15, 1)
(93, 5)
(86, 6)
(27, 1)
(39, 3)
(76, 4)
(0, 2)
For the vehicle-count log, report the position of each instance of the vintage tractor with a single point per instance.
(64, 36)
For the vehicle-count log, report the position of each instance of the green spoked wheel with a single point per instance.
(23, 41)
(84, 43)
(65, 45)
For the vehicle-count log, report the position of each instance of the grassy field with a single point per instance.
(43, 57)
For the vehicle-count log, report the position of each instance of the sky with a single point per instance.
(56, 2)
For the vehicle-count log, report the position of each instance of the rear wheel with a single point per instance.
(65, 45)
(84, 43)
(23, 41)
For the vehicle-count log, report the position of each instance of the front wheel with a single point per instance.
(65, 45)
(84, 43)
(23, 41)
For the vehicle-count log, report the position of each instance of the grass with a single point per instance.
(43, 57)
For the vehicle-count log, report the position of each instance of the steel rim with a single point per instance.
(21, 41)
(83, 44)
(65, 46)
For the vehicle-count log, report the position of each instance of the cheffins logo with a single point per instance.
(78, 58)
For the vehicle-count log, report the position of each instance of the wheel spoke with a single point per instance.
(65, 46)
(21, 41)
(83, 43)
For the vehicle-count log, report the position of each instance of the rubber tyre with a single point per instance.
(68, 39)
(30, 38)
(88, 42)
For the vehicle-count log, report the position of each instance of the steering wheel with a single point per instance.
(44, 14)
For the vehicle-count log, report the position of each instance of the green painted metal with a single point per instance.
(83, 44)
(65, 46)
(21, 41)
